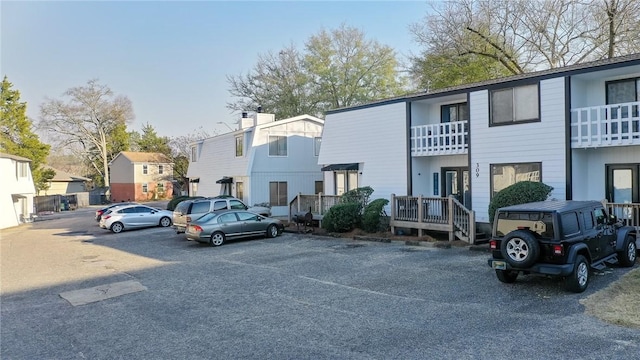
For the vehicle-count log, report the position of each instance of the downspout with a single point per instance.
(409, 159)
(567, 142)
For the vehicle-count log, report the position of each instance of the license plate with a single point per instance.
(499, 265)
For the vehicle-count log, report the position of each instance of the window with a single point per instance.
(193, 154)
(319, 185)
(504, 175)
(277, 145)
(620, 92)
(454, 112)
(317, 141)
(145, 188)
(160, 169)
(22, 169)
(160, 187)
(345, 181)
(570, 224)
(227, 218)
(240, 190)
(218, 205)
(145, 169)
(239, 146)
(237, 205)
(588, 220)
(201, 207)
(246, 216)
(278, 193)
(513, 105)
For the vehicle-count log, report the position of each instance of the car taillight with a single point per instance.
(558, 250)
(99, 212)
(493, 244)
(106, 217)
(195, 228)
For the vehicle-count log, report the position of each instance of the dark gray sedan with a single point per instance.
(217, 228)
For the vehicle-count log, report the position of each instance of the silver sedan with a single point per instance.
(133, 217)
(217, 228)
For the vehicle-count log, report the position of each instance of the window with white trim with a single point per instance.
(193, 154)
(160, 169)
(504, 175)
(145, 188)
(277, 145)
(239, 146)
(278, 193)
(513, 105)
(145, 169)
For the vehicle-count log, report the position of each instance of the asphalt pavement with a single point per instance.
(298, 296)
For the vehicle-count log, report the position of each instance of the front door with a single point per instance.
(623, 187)
(456, 183)
(623, 184)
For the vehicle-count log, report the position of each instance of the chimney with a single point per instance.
(246, 121)
(259, 110)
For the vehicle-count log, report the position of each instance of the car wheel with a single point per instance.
(165, 221)
(627, 257)
(520, 248)
(117, 227)
(272, 231)
(579, 278)
(507, 276)
(217, 239)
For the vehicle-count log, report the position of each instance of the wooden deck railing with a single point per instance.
(433, 213)
(319, 204)
(628, 213)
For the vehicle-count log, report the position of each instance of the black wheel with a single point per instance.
(165, 221)
(117, 227)
(217, 239)
(507, 276)
(520, 248)
(272, 231)
(579, 278)
(627, 257)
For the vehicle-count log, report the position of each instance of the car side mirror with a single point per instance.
(613, 219)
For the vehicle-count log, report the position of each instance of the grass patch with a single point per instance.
(619, 302)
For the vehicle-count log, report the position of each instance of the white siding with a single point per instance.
(217, 159)
(376, 138)
(256, 168)
(543, 141)
(15, 192)
(424, 167)
(589, 89)
(589, 169)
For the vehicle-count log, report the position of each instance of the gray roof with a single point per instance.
(13, 157)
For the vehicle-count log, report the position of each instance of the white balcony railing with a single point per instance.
(606, 125)
(440, 139)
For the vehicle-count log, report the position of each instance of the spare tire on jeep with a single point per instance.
(520, 248)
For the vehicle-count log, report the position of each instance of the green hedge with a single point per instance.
(371, 219)
(519, 193)
(342, 217)
(174, 202)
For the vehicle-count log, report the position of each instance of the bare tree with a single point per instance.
(524, 35)
(85, 119)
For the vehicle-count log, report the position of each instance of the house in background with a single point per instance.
(265, 161)
(65, 183)
(17, 190)
(140, 176)
(576, 129)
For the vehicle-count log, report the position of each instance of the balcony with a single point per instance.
(450, 138)
(605, 126)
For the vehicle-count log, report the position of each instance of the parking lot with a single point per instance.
(293, 297)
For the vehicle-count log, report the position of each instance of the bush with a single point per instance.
(359, 196)
(372, 215)
(342, 217)
(519, 193)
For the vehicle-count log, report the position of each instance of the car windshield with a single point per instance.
(538, 222)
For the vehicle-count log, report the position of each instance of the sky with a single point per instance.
(172, 59)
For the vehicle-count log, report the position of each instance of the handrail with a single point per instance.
(613, 125)
(440, 139)
(628, 213)
(319, 204)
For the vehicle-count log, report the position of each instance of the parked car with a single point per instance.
(189, 210)
(133, 217)
(109, 207)
(559, 238)
(217, 228)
